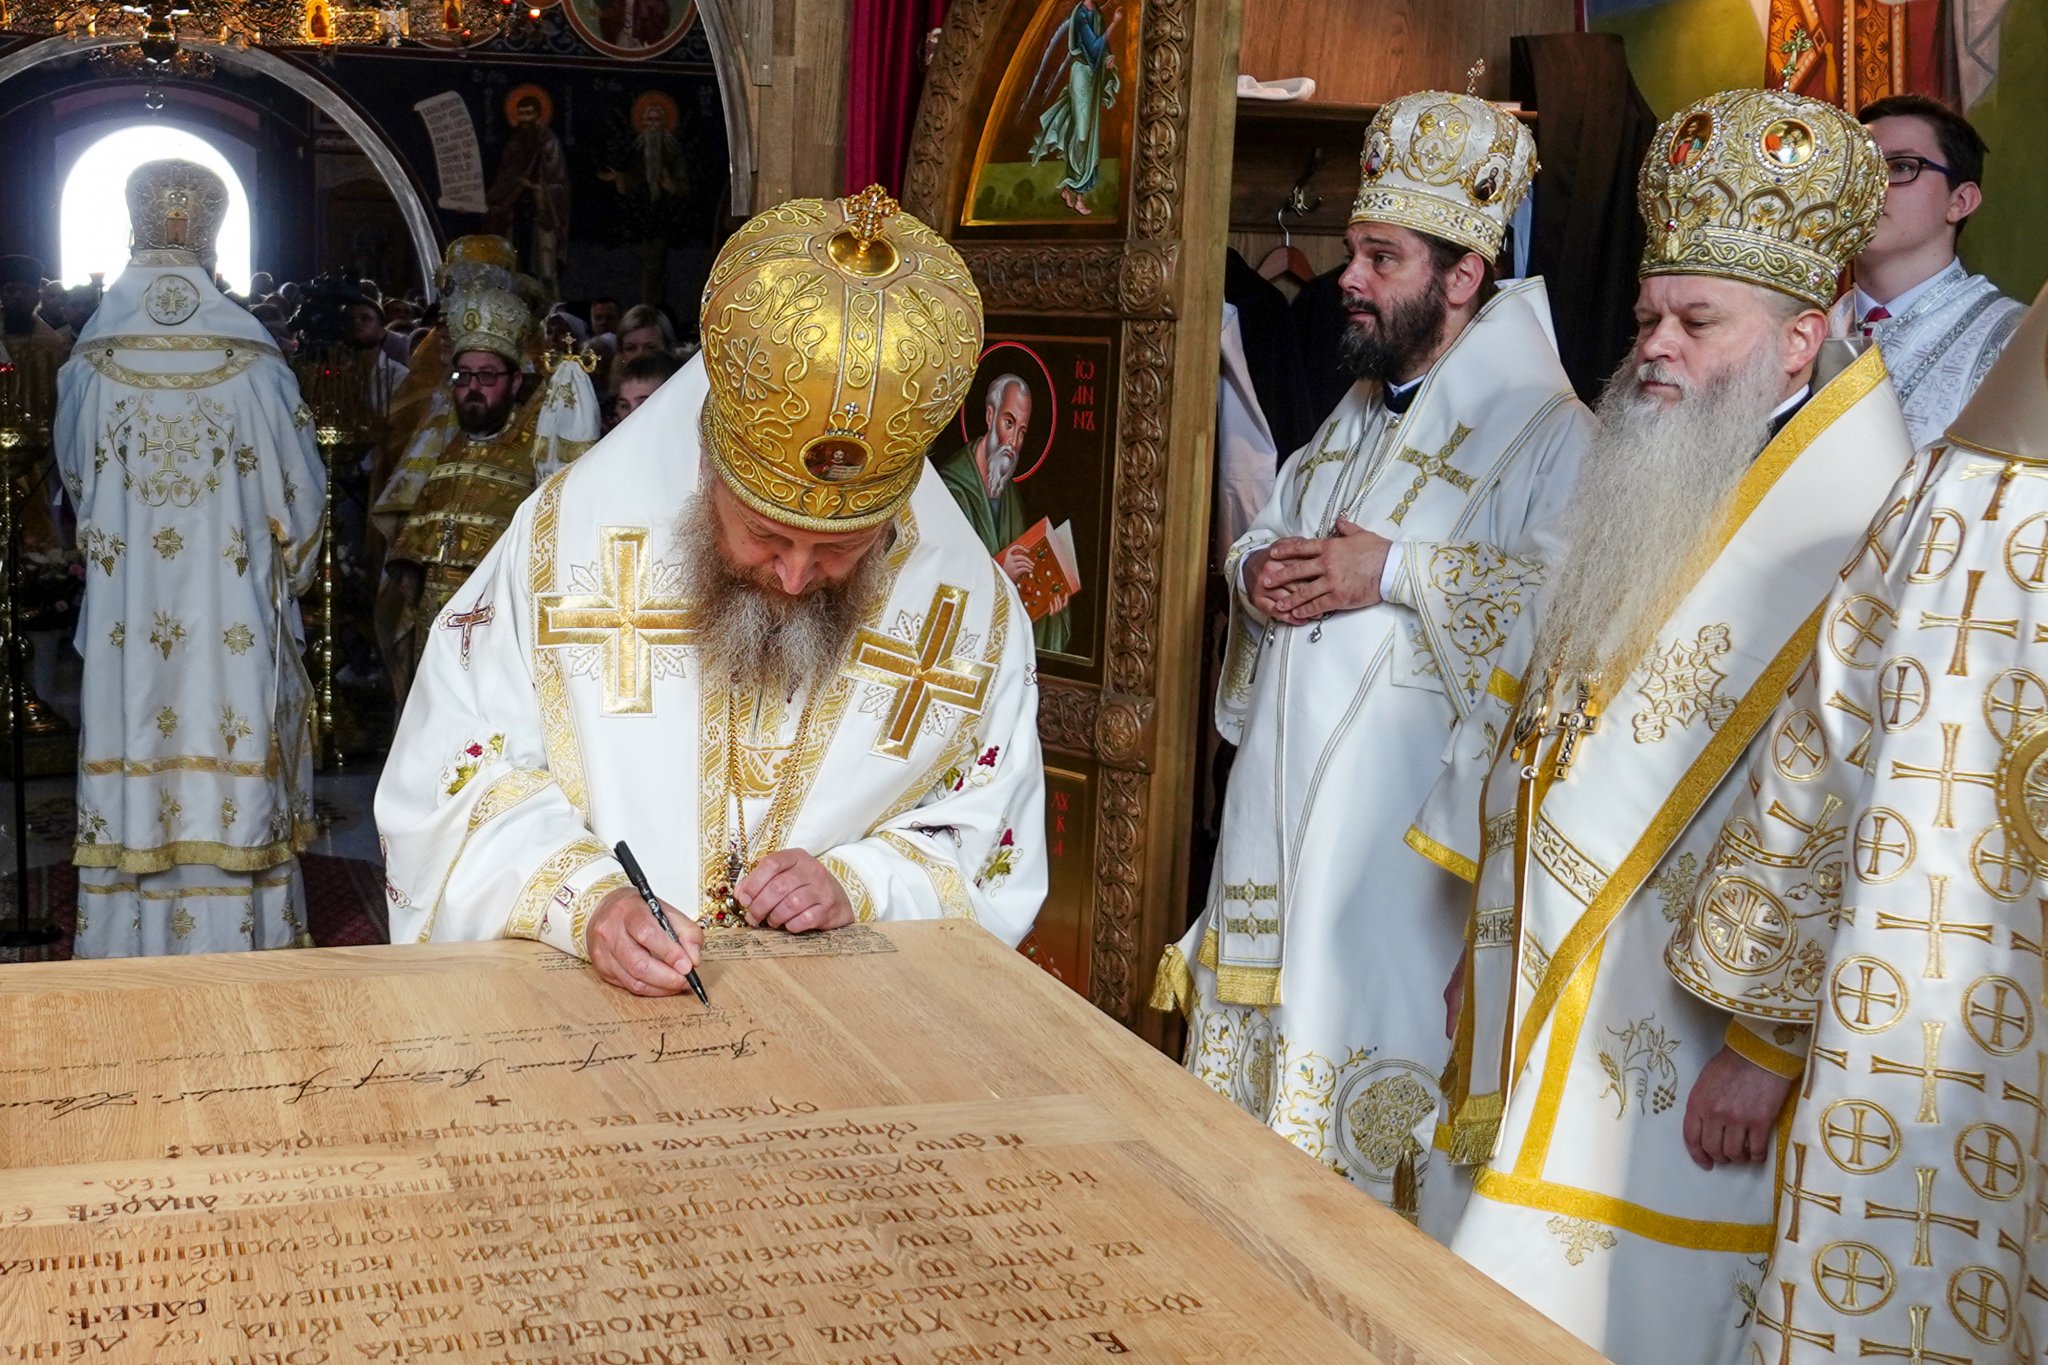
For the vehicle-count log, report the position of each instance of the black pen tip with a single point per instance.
(698, 987)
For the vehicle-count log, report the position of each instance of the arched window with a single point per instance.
(92, 220)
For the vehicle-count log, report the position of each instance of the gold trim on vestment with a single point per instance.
(1691, 792)
(947, 883)
(183, 763)
(1748, 1046)
(1506, 686)
(239, 893)
(1238, 985)
(1751, 1239)
(557, 721)
(1445, 857)
(241, 354)
(857, 894)
(1557, 1065)
(538, 894)
(193, 853)
(587, 903)
(1173, 986)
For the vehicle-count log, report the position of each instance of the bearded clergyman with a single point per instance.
(1730, 479)
(1372, 595)
(1873, 906)
(749, 634)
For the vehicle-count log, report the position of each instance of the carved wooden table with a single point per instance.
(903, 1144)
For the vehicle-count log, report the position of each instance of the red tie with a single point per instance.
(1873, 317)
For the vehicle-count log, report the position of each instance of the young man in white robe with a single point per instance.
(1731, 476)
(749, 634)
(1940, 326)
(190, 461)
(1371, 596)
(1873, 908)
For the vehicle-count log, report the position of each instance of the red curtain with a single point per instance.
(884, 82)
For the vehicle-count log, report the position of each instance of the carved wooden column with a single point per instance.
(1118, 723)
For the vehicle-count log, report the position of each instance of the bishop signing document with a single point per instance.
(750, 635)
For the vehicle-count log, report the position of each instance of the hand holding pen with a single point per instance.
(639, 944)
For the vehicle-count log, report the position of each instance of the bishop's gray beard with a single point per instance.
(1644, 519)
(750, 631)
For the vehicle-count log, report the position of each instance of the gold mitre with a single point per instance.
(480, 255)
(1452, 166)
(839, 339)
(486, 316)
(1763, 186)
(175, 206)
(2008, 414)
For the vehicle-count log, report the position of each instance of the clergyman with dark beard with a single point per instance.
(751, 636)
(1371, 598)
(493, 434)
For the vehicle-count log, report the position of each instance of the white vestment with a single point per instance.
(1314, 900)
(200, 493)
(1561, 1170)
(1877, 889)
(559, 709)
(1941, 347)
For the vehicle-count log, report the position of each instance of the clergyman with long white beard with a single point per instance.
(1736, 462)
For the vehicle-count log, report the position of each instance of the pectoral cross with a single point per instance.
(1575, 725)
(1931, 1074)
(621, 619)
(1922, 1216)
(921, 672)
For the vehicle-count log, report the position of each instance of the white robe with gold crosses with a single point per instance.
(558, 710)
(1561, 1170)
(190, 461)
(1307, 981)
(1876, 888)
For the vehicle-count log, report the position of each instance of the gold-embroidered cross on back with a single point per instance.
(621, 618)
(1787, 1332)
(1922, 1216)
(1966, 622)
(1437, 466)
(922, 671)
(1934, 926)
(1931, 1073)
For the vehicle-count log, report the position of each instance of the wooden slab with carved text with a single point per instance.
(886, 1144)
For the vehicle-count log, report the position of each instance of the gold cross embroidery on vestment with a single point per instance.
(921, 672)
(621, 618)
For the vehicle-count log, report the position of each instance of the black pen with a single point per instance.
(646, 890)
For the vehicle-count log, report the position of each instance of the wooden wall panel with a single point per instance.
(1369, 51)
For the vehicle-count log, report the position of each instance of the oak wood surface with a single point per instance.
(901, 1143)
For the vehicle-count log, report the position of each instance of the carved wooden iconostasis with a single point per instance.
(1078, 156)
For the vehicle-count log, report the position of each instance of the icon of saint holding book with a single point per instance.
(1038, 557)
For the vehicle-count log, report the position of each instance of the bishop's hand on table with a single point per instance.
(630, 951)
(789, 889)
(1299, 580)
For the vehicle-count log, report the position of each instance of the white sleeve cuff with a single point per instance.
(1391, 572)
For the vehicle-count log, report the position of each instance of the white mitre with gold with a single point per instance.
(1455, 167)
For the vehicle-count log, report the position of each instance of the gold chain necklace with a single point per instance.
(723, 909)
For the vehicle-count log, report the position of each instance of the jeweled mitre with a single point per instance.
(486, 316)
(839, 339)
(1763, 186)
(177, 206)
(1452, 166)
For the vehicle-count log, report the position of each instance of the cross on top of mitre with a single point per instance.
(868, 210)
(1472, 75)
